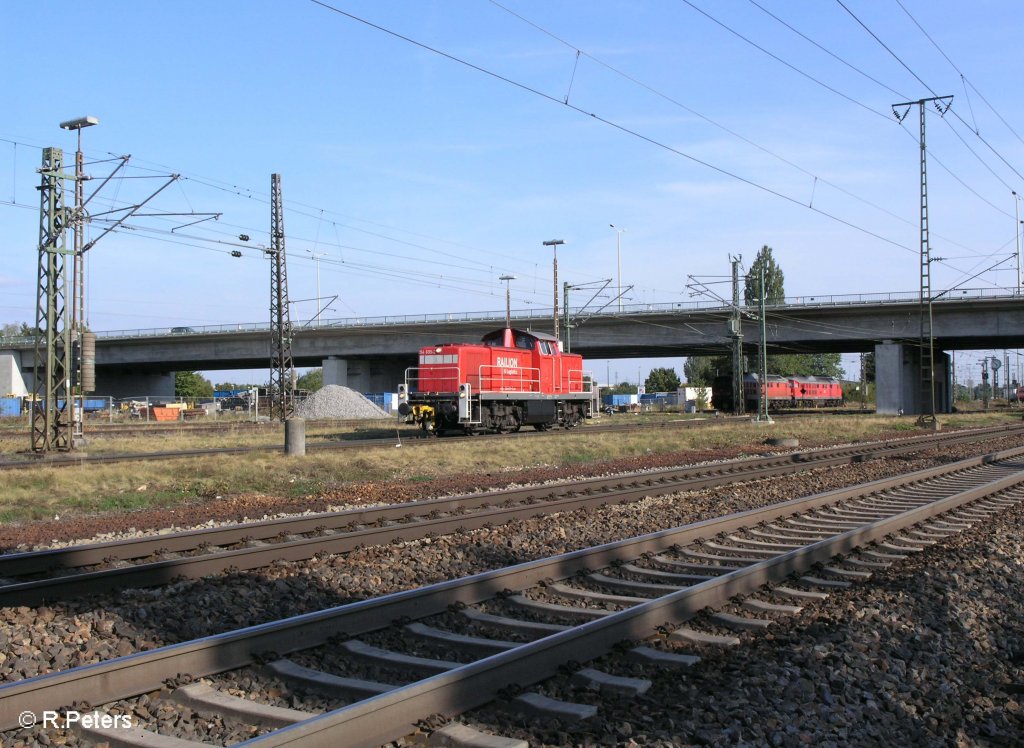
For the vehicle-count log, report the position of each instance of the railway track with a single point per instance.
(33, 578)
(385, 668)
(405, 437)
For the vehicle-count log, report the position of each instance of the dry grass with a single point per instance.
(42, 492)
(14, 436)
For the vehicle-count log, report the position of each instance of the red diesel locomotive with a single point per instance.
(510, 379)
(780, 392)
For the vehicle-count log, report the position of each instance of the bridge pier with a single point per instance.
(364, 375)
(11, 380)
(129, 383)
(898, 379)
(335, 371)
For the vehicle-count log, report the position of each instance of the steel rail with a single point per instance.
(412, 518)
(139, 673)
(372, 722)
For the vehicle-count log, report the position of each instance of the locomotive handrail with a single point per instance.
(412, 377)
(534, 383)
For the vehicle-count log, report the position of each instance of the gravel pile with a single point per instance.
(337, 402)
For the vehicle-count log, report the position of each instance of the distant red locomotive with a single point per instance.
(510, 379)
(780, 391)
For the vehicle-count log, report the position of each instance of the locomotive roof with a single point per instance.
(533, 333)
(790, 377)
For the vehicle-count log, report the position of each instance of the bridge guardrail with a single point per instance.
(891, 297)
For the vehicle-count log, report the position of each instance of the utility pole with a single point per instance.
(927, 414)
(1016, 231)
(952, 371)
(281, 369)
(51, 382)
(736, 332)
(762, 408)
(863, 382)
(1006, 376)
(618, 258)
(984, 381)
(565, 307)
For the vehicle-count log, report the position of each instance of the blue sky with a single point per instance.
(424, 180)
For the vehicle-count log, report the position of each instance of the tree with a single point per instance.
(191, 384)
(774, 280)
(662, 380)
(869, 366)
(807, 364)
(17, 330)
(231, 386)
(312, 380)
(622, 388)
(702, 370)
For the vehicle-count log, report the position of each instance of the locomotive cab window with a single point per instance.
(545, 347)
(525, 342)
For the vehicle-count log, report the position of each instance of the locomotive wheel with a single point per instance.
(540, 427)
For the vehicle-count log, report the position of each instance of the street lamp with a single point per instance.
(508, 299)
(618, 259)
(78, 274)
(316, 259)
(553, 243)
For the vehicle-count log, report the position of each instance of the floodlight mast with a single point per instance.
(554, 243)
(508, 299)
(78, 278)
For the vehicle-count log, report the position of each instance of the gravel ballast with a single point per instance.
(983, 598)
(928, 652)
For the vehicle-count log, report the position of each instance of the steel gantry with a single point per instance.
(281, 367)
(51, 406)
(926, 339)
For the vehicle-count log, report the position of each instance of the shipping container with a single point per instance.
(10, 407)
(620, 400)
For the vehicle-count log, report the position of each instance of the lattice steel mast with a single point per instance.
(281, 367)
(51, 409)
(926, 339)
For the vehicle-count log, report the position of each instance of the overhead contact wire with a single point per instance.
(615, 125)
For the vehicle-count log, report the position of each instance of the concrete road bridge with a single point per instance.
(371, 354)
